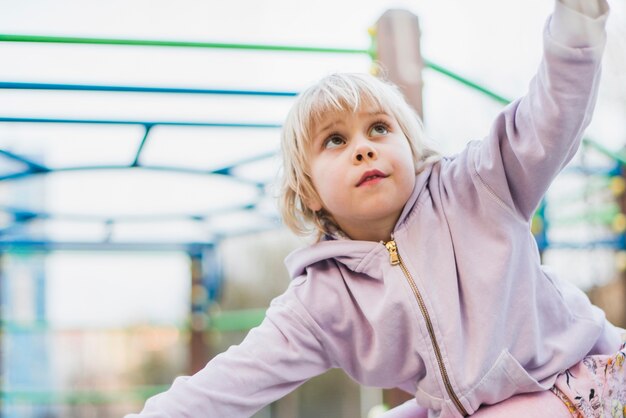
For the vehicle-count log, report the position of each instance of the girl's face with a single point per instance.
(362, 168)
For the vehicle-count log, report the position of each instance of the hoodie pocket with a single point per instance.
(505, 378)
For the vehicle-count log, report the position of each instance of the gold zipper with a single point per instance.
(395, 259)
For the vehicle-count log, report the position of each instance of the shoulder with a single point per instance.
(318, 285)
(324, 290)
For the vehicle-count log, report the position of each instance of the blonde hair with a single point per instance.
(336, 93)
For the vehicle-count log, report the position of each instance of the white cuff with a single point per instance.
(579, 23)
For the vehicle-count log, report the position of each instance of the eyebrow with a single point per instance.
(368, 114)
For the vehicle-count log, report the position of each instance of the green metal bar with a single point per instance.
(20, 328)
(177, 44)
(594, 186)
(79, 397)
(602, 216)
(259, 47)
(617, 156)
(240, 320)
(466, 82)
(226, 321)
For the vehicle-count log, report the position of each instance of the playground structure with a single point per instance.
(604, 190)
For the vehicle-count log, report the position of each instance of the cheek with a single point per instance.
(331, 191)
(410, 184)
(313, 201)
(407, 169)
(320, 179)
(405, 161)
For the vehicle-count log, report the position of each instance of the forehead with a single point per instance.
(364, 109)
(340, 117)
(322, 117)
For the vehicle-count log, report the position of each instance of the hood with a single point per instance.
(355, 255)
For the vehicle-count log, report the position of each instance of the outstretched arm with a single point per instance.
(537, 135)
(273, 360)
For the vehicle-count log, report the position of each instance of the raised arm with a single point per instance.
(273, 360)
(537, 135)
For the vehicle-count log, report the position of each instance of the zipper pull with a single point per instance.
(394, 259)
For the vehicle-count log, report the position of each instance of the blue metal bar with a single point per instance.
(31, 164)
(144, 123)
(608, 243)
(247, 232)
(46, 246)
(589, 171)
(142, 89)
(8, 244)
(22, 215)
(227, 169)
(141, 146)
(217, 172)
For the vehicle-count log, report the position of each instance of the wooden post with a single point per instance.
(399, 54)
(400, 60)
(206, 289)
(198, 348)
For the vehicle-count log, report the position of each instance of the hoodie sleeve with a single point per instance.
(274, 359)
(534, 137)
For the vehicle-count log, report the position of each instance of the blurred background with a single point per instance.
(139, 234)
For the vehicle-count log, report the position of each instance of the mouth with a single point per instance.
(371, 177)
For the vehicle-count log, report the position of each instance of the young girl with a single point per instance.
(426, 276)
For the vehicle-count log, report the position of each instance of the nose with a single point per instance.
(364, 152)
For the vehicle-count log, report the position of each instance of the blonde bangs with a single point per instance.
(336, 93)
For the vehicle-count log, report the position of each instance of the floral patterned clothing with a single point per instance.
(595, 387)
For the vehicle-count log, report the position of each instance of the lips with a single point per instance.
(371, 176)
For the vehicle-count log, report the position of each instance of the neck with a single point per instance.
(374, 233)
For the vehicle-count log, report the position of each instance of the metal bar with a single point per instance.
(17, 245)
(135, 163)
(589, 171)
(608, 243)
(227, 169)
(222, 171)
(178, 44)
(240, 320)
(140, 89)
(144, 123)
(619, 157)
(8, 244)
(467, 82)
(136, 218)
(31, 164)
(224, 321)
(79, 397)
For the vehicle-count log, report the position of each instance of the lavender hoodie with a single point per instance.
(460, 313)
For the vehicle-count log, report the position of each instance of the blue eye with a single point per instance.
(334, 141)
(379, 129)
